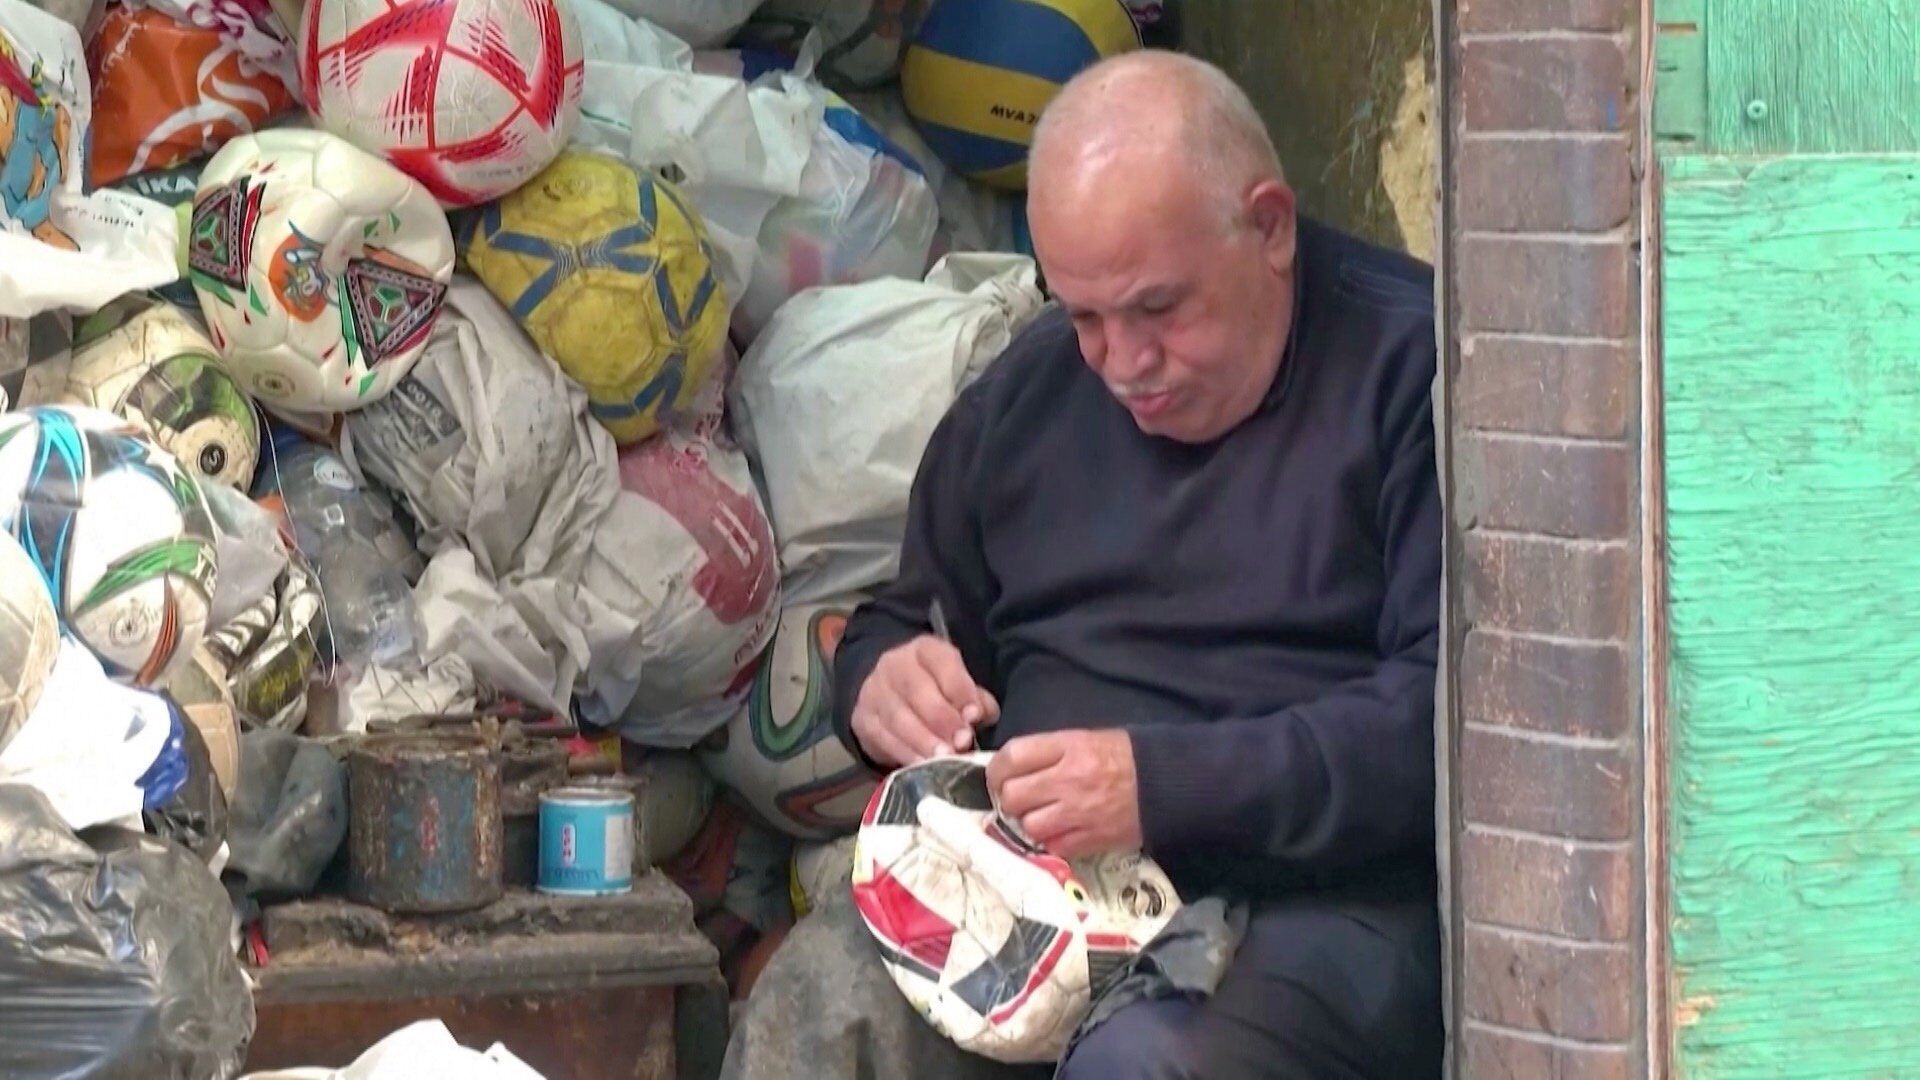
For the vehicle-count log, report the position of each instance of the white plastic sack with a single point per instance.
(61, 248)
(527, 637)
(700, 23)
(835, 402)
(973, 217)
(88, 742)
(864, 211)
(795, 189)
(421, 1050)
(489, 445)
(684, 569)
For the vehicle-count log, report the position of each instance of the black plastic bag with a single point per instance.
(290, 818)
(116, 955)
(195, 817)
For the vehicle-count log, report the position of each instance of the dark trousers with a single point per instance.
(1321, 987)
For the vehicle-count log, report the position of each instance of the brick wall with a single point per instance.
(1541, 280)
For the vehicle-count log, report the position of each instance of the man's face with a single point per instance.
(1182, 313)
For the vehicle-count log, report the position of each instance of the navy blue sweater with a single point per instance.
(1261, 612)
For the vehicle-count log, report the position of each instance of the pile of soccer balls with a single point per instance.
(318, 248)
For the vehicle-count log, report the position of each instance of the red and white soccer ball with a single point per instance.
(469, 97)
(1000, 945)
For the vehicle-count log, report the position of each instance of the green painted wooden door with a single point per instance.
(1789, 136)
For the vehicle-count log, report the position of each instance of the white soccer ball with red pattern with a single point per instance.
(469, 97)
(1000, 945)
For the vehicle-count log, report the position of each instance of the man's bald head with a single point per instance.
(1163, 112)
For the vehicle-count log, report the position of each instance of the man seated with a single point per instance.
(1186, 534)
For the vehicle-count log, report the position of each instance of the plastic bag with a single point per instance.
(421, 1049)
(861, 40)
(166, 92)
(683, 570)
(864, 211)
(246, 541)
(59, 247)
(115, 954)
(489, 445)
(700, 23)
(90, 743)
(973, 217)
(289, 819)
(195, 814)
(876, 366)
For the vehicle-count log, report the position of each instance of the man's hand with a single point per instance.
(1073, 792)
(918, 703)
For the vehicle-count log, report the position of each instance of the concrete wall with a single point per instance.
(1345, 88)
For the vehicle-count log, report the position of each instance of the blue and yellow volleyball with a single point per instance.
(610, 271)
(979, 72)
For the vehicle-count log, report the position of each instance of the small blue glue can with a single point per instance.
(586, 842)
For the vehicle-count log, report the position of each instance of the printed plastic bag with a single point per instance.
(836, 400)
(166, 92)
(115, 954)
(682, 587)
(59, 247)
(489, 445)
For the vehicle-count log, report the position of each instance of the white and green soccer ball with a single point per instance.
(116, 529)
(145, 360)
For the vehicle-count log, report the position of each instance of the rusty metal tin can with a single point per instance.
(424, 831)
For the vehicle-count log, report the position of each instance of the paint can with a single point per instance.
(586, 842)
(424, 828)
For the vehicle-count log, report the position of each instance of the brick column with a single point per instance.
(1543, 721)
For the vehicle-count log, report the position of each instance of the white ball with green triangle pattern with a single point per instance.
(320, 268)
(117, 530)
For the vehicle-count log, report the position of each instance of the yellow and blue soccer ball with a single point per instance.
(610, 271)
(978, 74)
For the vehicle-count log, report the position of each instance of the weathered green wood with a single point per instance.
(1680, 66)
(1813, 76)
(1792, 424)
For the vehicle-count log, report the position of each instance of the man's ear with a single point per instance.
(1270, 207)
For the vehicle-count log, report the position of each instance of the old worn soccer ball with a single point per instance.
(118, 531)
(320, 268)
(1001, 945)
(145, 360)
(779, 754)
(469, 97)
(29, 638)
(611, 272)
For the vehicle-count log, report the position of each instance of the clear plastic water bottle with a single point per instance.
(348, 535)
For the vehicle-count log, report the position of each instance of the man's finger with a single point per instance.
(942, 661)
(1048, 822)
(1023, 795)
(989, 707)
(1076, 844)
(1021, 757)
(883, 746)
(906, 726)
(938, 715)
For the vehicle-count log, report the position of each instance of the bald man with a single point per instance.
(1186, 533)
